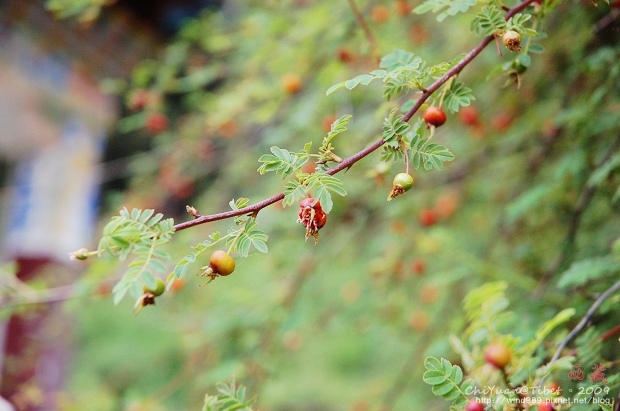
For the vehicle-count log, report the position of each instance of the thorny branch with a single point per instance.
(348, 162)
(584, 321)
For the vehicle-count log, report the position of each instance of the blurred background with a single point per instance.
(161, 104)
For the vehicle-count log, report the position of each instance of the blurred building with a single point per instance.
(54, 122)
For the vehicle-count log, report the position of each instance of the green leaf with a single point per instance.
(444, 379)
(294, 191)
(589, 269)
(322, 185)
(603, 171)
(449, 7)
(399, 59)
(430, 155)
(282, 161)
(458, 96)
(363, 79)
(489, 21)
(393, 128)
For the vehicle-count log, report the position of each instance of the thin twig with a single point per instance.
(575, 220)
(51, 295)
(362, 23)
(349, 161)
(581, 324)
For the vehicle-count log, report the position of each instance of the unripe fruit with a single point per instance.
(402, 182)
(497, 354)
(380, 14)
(291, 83)
(159, 289)
(157, 122)
(221, 263)
(512, 40)
(472, 405)
(434, 116)
(427, 217)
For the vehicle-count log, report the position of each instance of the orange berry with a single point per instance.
(291, 83)
(380, 14)
(402, 7)
(446, 204)
(497, 354)
(177, 284)
(418, 320)
(429, 293)
(419, 34)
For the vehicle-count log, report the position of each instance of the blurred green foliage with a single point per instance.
(529, 205)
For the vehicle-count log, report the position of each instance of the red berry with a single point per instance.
(157, 122)
(502, 121)
(321, 219)
(138, 100)
(344, 55)
(402, 7)
(311, 216)
(427, 217)
(545, 406)
(497, 354)
(434, 116)
(221, 263)
(472, 405)
(469, 116)
(310, 202)
(419, 266)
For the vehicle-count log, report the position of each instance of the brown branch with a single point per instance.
(349, 161)
(362, 23)
(51, 295)
(584, 321)
(575, 221)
